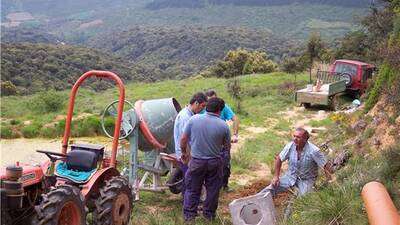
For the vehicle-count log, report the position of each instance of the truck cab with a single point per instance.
(355, 73)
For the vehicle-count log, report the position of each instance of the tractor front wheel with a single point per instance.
(62, 205)
(114, 206)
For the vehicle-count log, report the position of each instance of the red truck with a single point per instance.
(355, 73)
(349, 76)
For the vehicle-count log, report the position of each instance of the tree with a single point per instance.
(315, 47)
(8, 88)
(234, 89)
(240, 61)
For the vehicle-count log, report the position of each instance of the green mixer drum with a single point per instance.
(159, 116)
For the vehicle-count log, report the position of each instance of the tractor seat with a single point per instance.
(81, 160)
(79, 166)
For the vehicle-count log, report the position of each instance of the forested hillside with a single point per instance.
(178, 52)
(35, 67)
(30, 35)
(159, 43)
(77, 21)
(159, 4)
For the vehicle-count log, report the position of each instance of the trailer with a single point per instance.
(333, 85)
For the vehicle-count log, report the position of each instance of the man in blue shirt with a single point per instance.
(304, 161)
(226, 115)
(196, 104)
(206, 135)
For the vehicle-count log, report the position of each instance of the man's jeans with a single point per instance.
(226, 158)
(183, 167)
(302, 186)
(209, 173)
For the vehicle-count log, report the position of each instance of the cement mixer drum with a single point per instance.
(156, 122)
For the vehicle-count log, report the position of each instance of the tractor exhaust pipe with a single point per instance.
(379, 205)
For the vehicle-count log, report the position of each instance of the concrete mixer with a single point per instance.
(148, 126)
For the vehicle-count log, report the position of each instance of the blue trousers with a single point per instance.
(301, 186)
(183, 167)
(209, 173)
(226, 159)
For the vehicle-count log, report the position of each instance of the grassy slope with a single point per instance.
(263, 98)
(258, 108)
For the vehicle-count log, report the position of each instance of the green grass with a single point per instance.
(321, 123)
(264, 101)
(336, 204)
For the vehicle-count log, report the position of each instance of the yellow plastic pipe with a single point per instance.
(379, 205)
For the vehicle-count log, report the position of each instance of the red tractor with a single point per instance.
(355, 73)
(72, 183)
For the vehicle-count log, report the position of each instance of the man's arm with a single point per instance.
(227, 139)
(230, 115)
(184, 142)
(277, 167)
(321, 161)
(185, 153)
(236, 123)
(283, 156)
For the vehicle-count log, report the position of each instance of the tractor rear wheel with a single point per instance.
(114, 206)
(62, 205)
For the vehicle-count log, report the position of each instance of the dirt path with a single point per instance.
(300, 118)
(24, 150)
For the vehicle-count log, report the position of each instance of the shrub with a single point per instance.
(49, 132)
(88, 126)
(6, 132)
(48, 101)
(293, 65)
(31, 131)
(60, 126)
(241, 61)
(14, 122)
(386, 76)
(8, 88)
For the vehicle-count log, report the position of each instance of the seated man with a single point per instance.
(304, 160)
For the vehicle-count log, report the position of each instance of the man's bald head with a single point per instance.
(300, 137)
(305, 133)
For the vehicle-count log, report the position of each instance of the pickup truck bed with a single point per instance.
(324, 96)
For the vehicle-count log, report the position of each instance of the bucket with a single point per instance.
(309, 87)
(253, 210)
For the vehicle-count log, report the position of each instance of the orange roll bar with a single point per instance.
(379, 205)
(99, 74)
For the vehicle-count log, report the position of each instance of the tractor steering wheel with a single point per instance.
(52, 154)
(126, 125)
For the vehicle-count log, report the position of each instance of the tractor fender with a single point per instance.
(97, 180)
